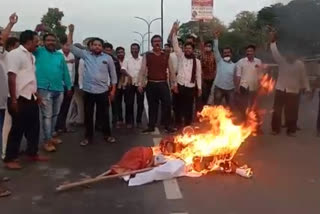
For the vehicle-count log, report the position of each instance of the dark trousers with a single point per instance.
(158, 92)
(129, 96)
(185, 102)
(2, 114)
(64, 109)
(118, 104)
(24, 122)
(318, 121)
(246, 99)
(101, 101)
(114, 111)
(290, 103)
(220, 94)
(206, 90)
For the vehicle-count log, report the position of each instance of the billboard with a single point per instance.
(202, 9)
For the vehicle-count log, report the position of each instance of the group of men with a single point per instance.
(40, 80)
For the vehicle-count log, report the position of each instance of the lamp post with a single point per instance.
(149, 27)
(162, 20)
(142, 38)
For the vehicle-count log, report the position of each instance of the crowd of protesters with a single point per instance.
(45, 87)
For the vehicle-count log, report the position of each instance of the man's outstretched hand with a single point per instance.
(71, 28)
(273, 36)
(13, 19)
(175, 27)
(216, 34)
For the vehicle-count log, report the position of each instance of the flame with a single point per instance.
(220, 141)
(266, 84)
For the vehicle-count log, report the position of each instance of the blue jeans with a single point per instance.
(52, 101)
(2, 113)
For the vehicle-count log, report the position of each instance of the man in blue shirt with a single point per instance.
(98, 75)
(224, 82)
(52, 78)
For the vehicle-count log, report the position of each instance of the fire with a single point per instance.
(218, 144)
(266, 84)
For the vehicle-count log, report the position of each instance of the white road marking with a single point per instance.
(171, 187)
(179, 213)
(156, 131)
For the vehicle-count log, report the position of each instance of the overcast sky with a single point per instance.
(113, 20)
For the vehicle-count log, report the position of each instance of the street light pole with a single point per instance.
(142, 38)
(162, 20)
(149, 27)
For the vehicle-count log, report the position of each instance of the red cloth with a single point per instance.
(136, 158)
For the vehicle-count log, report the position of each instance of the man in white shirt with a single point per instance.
(248, 75)
(23, 101)
(64, 109)
(292, 78)
(223, 87)
(131, 67)
(188, 80)
(4, 35)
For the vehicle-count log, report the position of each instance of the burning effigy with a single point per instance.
(214, 147)
(198, 150)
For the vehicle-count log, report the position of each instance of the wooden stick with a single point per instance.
(104, 174)
(98, 179)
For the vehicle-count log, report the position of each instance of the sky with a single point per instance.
(113, 20)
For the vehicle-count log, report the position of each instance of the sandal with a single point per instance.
(110, 139)
(4, 192)
(85, 142)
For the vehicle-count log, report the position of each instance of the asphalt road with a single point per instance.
(286, 178)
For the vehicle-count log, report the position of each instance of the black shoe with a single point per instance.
(170, 130)
(148, 131)
(274, 133)
(291, 134)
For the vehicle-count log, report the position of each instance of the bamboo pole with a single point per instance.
(98, 179)
(104, 174)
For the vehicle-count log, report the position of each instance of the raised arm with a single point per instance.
(274, 49)
(75, 50)
(175, 42)
(13, 19)
(216, 51)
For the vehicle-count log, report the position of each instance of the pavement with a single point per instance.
(286, 178)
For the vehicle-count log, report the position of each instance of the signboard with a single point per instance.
(202, 9)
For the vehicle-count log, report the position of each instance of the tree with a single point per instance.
(202, 29)
(52, 22)
(296, 24)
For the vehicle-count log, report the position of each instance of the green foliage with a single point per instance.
(201, 29)
(52, 21)
(296, 24)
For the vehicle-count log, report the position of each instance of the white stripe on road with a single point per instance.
(171, 187)
(156, 131)
(179, 213)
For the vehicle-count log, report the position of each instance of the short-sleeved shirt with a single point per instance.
(99, 71)
(22, 63)
(249, 73)
(132, 66)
